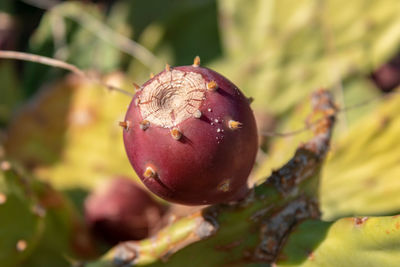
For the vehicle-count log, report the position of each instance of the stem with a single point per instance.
(42, 60)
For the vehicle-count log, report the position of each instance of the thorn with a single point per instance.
(21, 245)
(125, 125)
(144, 124)
(212, 86)
(175, 133)
(250, 99)
(167, 67)
(197, 114)
(196, 61)
(137, 87)
(149, 172)
(151, 75)
(234, 125)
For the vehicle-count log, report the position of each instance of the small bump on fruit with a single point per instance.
(125, 125)
(196, 61)
(151, 75)
(175, 133)
(234, 125)
(144, 124)
(212, 86)
(149, 172)
(224, 185)
(197, 114)
(167, 67)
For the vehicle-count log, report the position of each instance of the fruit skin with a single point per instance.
(120, 210)
(211, 162)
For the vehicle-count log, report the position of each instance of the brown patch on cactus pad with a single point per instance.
(360, 221)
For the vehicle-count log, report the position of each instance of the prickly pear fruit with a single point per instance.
(120, 210)
(191, 136)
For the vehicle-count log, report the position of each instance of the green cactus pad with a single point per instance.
(360, 176)
(360, 241)
(21, 228)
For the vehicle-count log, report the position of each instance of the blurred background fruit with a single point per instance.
(120, 210)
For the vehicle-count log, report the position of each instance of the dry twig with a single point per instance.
(58, 64)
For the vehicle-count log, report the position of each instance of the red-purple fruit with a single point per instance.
(120, 210)
(191, 136)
